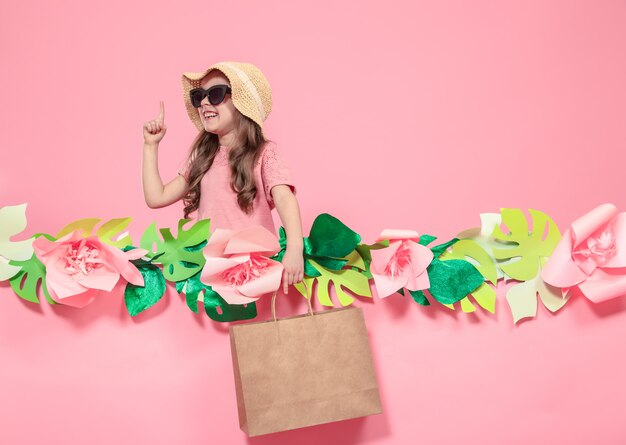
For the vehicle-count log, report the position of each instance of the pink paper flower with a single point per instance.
(591, 255)
(78, 268)
(238, 266)
(402, 264)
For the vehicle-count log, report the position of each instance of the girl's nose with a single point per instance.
(205, 99)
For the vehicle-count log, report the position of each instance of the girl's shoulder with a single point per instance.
(269, 147)
(269, 151)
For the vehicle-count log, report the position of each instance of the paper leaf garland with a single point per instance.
(181, 257)
(507, 245)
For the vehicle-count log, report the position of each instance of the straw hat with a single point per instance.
(251, 92)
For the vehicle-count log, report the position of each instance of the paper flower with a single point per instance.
(12, 222)
(591, 255)
(402, 264)
(78, 268)
(238, 266)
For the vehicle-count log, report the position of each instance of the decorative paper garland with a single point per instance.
(87, 258)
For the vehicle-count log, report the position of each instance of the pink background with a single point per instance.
(417, 115)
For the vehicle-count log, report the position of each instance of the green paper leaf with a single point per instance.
(441, 248)
(464, 249)
(328, 245)
(331, 238)
(180, 287)
(282, 241)
(111, 229)
(140, 298)
(85, 226)
(452, 280)
(214, 305)
(529, 249)
(108, 233)
(181, 257)
(310, 270)
(425, 239)
(419, 297)
(329, 263)
(192, 302)
(192, 288)
(484, 295)
(346, 279)
(31, 275)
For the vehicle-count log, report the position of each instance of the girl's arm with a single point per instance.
(155, 193)
(289, 212)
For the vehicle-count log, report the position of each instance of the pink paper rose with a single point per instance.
(78, 268)
(591, 255)
(401, 265)
(238, 266)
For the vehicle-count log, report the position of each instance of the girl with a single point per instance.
(233, 174)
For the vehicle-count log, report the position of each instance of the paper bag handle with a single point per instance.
(308, 300)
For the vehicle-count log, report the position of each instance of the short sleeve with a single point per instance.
(274, 171)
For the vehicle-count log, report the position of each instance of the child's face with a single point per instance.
(224, 122)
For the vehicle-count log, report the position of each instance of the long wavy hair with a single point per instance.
(242, 158)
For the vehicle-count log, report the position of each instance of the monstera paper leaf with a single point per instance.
(32, 274)
(350, 278)
(181, 256)
(527, 253)
(483, 236)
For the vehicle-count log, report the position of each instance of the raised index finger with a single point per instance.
(162, 111)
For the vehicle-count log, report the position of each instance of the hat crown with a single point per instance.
(251, 92)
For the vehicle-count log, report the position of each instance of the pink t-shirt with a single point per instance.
(219, 202)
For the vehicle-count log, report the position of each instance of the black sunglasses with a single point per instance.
(215, 94)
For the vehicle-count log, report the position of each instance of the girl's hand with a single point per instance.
(293, 263)
(153, 131)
